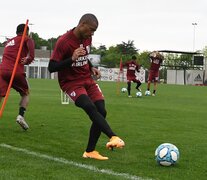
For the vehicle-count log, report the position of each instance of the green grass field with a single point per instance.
(53, 146)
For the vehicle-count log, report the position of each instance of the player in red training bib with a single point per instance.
(70, 60)
(20, 83)
(132, 68)
(156, 60)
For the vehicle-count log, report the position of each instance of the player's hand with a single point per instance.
(23, 60)
(95, 72)
(78, 52)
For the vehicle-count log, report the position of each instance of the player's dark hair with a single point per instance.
(134, 57)
(20, 28)
(88, 18)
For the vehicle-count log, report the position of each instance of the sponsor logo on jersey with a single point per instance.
(10, 43)
(73, 94)
(81, 61)
(156, 61)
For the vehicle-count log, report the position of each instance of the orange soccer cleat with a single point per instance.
(115, 141)
(94, 155)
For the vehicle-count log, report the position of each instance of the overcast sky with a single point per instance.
(151, 24)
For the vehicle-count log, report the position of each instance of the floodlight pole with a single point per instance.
(31, 24)
(194, 25)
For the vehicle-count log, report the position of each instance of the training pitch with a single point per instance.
(53, 146)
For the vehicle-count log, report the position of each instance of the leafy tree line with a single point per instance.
(40, 42)
(110, 57)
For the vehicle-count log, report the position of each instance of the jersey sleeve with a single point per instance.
(59, 52)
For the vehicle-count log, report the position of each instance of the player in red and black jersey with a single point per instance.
(70, 60)
(132, 67)
(156, 60)
(20, 83)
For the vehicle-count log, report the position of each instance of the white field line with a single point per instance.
(72, 163)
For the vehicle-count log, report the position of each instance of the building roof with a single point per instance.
(179, 52)
(38, 53)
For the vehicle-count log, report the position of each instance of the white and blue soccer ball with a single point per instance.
(147, 93)
(123, 90)
(139, 94)
(167, 154)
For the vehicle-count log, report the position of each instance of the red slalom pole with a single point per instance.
(118, 78)
(14, 70)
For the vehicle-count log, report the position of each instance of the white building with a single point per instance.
(38, 68)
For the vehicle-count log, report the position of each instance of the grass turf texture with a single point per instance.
(177, 114)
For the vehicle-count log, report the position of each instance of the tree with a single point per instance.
(127, 49)
(143, 59)
(39, 42)
(111, 58)
(101, 50)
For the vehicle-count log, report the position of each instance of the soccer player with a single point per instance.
(132, 67)
(20, 83)
(156, 59)
(70, 60)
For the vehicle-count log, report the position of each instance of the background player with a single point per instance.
(156, 59)
(132, 67)
(20, 83)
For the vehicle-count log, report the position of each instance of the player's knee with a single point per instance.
(85, 103)
(89, 107)
(103, 112)
(100, 105)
